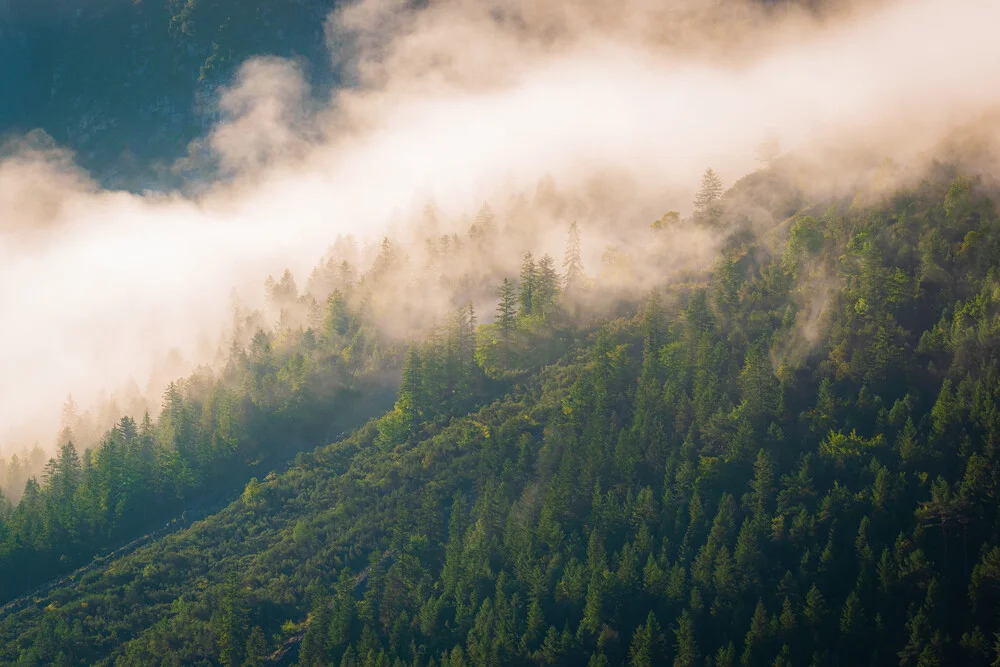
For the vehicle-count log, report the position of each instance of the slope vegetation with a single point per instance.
(792, 462)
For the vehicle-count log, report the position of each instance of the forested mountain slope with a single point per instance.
(790, 462)
(285, 393)
(312, 364)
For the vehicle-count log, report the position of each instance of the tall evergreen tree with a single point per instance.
(412, 403)
(547, 286)
(648, 644)
(506, 315)
(484, 226)
(686, 652)
(506, 319)
(707, 201)
(231, 622)
(573, 260)
(529, 280)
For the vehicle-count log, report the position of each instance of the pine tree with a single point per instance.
(535, 623)
(507, 307)
(572, 260)
(285, 291)
(338, 319)
(787, 618)
(551, 647)
(815, 609)
(852, 618)
(484, 226)
(388, 258)
(70, 418)
(647, 648)
(726, 284)
(724, 524)
(756, 635)
(411, 401)
(350, 657)
(66, 473)
(758, 384)
(459, 362)
(506, 319)
(256, 649)
(313, 650)
(342, 612)
(598, 660)
(708, 198)
(592, 608)
(529, 278)
(231, 622)
(346, 274)
(686, 652)
(546, 286)
(762, 484)
(726, 656)
(467, 338)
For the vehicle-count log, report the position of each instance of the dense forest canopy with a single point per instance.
(786, 459)
(560, 426)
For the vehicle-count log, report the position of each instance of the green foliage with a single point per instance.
(708, 199)
(251, 494)
(840, 447)
(274, 398)
(681, 483)
(805, 240)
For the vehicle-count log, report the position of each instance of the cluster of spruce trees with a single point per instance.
(317, 372)
(284, 391)
(789, 460)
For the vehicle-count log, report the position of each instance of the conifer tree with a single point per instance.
(852, 623)
(411, 391)
(762, 484)
(66, 474)
(231, 622)
(256, 648)
(506, 319)
(507, 307)
(337, 321)
(546, 286)
(484, 226)
(313, 650)
(686, 652)
(572, 260)
(708, 198)
(529, 279)
(342, 613)
(758, 384)
(648, 644)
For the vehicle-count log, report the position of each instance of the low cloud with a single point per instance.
(459, 103)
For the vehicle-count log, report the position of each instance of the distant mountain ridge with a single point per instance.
(127, 84)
